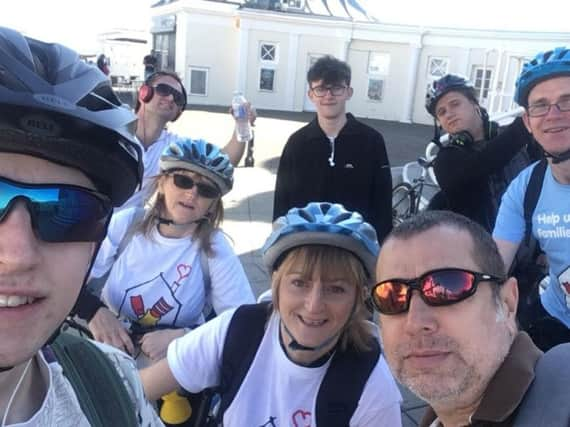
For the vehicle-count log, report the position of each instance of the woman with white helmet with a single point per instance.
(158, 282)
(310, 357)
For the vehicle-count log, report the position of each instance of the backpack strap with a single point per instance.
(335, 404)
(208, 310)
(243, 338)
(100, 390)
(531, 196)
(343, 384)
(96, 284)
(546, 401)
(131, 231)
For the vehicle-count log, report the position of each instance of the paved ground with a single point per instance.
(248, 207)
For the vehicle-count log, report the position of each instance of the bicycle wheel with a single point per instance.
(402, 202)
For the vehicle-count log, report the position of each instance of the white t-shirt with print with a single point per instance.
(61, 407)
(151, 158)
(159, 280)
(275, 392)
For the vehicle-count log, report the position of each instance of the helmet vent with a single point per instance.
(342, 217)
(325, 208)
(100, 99)
(307, 216)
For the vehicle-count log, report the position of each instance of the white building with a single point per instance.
(265, 47)
(126, 50)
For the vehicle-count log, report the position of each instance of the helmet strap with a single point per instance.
(557, 158)
(296, 346)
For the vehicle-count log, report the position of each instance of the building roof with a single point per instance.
(344, 9)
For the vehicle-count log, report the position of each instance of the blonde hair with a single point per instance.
(156, 207)
(331, 263)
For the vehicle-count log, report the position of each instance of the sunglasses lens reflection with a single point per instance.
(438, 288)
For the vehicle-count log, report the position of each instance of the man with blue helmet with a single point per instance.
(311, 358)
(543, 89)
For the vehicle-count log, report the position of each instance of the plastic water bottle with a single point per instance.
(239, 108)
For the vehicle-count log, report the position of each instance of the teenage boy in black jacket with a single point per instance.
(335, 158)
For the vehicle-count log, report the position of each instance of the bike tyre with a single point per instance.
(402, 203)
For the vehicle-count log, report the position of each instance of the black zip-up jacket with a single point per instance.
(360, 178)
(474, 177)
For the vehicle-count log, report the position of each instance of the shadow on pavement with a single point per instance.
(270, 164)
(256, 207)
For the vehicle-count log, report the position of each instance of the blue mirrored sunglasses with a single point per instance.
(59, 212)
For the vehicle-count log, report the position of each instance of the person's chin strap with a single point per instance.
(206, 218)
(166, 221)
(296, 346)
(557, 158)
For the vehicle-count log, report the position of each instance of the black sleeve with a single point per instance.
(457, 167)
(382, 199)
(87, 305)
(282, 196)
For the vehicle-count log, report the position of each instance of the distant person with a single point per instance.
(150, 62)
(103, 64)
(335, 157)
(448, 325)
(480, 160)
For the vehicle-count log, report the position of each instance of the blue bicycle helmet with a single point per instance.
(321, 223)
(201, 157)
(55, 106)
(448, 83)
(545, 65)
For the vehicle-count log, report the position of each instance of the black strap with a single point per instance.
(100, 391)
(343, 384)
(243, 338)
(531, 196)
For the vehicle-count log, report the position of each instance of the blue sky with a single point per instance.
(77, 22)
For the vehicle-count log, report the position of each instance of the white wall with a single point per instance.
(226, 41)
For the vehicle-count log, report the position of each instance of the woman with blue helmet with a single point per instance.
(176, 262)
(322, 260)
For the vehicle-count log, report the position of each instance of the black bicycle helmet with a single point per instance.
(55, 106)
(448, 83)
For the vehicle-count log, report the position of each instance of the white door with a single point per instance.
(307, 103)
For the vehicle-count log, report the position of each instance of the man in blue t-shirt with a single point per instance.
(543, 89)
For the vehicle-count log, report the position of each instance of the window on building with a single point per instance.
(481, 79)
(198, 81)
(164, 48)
(378, 63)
(294, 4)
(375, 89)
(378, 69)
(437, 67)
(268, 52)
(267, 79)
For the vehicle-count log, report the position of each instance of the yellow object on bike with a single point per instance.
(175, 409)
